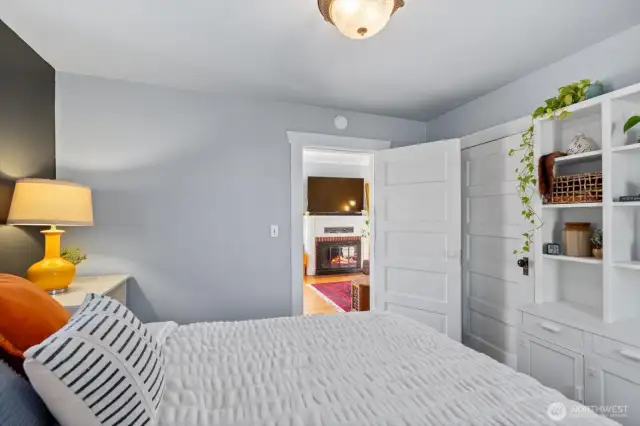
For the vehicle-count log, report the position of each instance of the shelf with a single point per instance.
(578, 158)
(626, 204)
(589, 260)
(634, 148)
(571, 206)
(627, 265)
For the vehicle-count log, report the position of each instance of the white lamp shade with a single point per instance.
(359, 19)
(50, 202)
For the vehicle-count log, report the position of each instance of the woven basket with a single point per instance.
(579, 188)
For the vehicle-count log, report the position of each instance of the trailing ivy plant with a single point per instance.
(527, 182)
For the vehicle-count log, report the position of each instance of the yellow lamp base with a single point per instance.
(53, 273)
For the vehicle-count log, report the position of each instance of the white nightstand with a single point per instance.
(114, 286)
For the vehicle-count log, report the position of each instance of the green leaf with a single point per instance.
(631, 123)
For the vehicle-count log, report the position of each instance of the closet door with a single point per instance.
(417, 234)
(492, 227)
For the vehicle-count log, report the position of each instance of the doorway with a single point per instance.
(322, 150)
(336, 232)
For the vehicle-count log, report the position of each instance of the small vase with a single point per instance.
(597, 253)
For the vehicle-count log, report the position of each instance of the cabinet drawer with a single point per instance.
(616, 350)
(551, 331)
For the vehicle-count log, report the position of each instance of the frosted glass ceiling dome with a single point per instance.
(359, 19)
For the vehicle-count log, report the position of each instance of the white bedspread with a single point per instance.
(349, 369)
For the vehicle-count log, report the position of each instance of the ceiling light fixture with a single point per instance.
(359, 19)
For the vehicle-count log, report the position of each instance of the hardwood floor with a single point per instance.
(313, 303)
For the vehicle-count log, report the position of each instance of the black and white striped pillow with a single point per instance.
(102, 368)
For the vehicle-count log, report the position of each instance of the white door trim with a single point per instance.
(498, 132)
(299, 141)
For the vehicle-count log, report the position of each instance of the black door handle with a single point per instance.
(524, 264)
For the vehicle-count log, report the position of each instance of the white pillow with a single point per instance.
(102, 368)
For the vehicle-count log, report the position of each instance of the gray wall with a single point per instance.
(27, 141)
(615, 61)
(186, 186)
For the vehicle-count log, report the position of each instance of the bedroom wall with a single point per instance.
(614, 61)
(186, 186)
(27, 141)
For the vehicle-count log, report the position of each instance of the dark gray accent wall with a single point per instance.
(27, 140)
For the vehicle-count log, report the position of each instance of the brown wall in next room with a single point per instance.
(27, 140)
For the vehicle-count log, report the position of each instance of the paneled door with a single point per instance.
(493, 284)
(417, 197)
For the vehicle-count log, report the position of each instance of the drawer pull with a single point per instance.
(627, 353)
(550, 327)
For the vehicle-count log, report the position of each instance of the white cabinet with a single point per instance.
(613, 387)
(581, 334)
(552, 365)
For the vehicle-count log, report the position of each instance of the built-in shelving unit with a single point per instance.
(605, 291)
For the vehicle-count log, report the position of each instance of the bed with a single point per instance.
(348, 369)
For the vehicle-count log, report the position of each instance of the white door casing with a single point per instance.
(418, 235)
(492, 226)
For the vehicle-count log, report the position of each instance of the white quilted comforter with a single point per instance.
(347, 369)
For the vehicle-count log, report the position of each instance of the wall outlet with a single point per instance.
(274, 231)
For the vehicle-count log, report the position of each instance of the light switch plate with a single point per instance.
(274, 231)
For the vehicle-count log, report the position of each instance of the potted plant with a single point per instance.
(527, 178)
(596, 241)
(631, 123)
(75, 255)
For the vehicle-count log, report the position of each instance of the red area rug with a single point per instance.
(337, 294)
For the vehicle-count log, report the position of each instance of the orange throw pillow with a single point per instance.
(28, 315)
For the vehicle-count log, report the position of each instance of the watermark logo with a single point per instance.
(557, 411)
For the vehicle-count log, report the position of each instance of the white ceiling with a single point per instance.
(433, 56)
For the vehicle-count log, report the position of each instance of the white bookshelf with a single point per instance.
(608, 290)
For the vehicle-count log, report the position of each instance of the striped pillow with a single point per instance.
(102, 368)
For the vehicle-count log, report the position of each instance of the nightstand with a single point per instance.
(114, 286)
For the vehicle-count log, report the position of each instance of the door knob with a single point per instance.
(524, 264)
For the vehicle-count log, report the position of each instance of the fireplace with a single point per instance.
(335, 255)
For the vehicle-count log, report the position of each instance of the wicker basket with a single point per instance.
(579, 188)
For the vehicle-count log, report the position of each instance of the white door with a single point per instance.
(614, 386)
(553, 366)
(417, 246)
(492, 226)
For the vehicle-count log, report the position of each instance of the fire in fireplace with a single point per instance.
(338, 255)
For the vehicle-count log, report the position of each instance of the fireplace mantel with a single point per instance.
(331, 226)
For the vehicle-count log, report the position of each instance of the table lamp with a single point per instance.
(44, 202)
